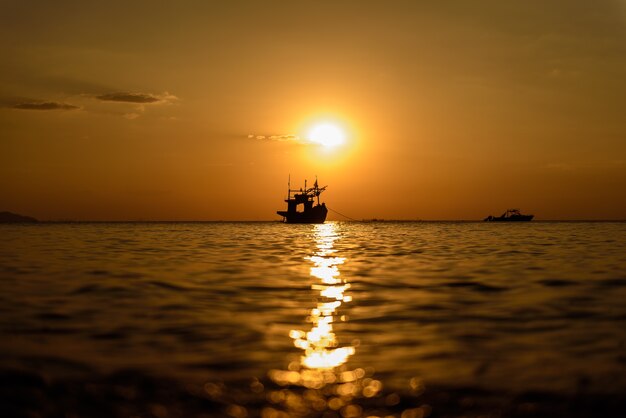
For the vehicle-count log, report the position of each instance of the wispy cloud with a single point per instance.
(586, 165)
(138, 101)
(131, 115)
(292, 138)
(137, 98)
(129, 105)
(560, 166)
(36, 105)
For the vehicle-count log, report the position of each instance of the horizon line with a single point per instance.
(279, 221)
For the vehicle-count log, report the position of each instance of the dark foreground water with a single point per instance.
(341, 319)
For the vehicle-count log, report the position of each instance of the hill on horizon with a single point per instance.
(9, 217)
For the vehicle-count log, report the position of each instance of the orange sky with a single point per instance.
(452, 110)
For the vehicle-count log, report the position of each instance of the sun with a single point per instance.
(327, 135)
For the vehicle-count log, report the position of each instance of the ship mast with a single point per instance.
(317, 191)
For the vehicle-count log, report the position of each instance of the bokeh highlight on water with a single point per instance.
(351, 319)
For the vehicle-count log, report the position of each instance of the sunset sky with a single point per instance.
(199, 110)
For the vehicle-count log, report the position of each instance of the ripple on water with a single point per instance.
(504, 307)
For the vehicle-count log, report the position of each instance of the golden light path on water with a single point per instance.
(322, 354)
(320, 343)
(321, 383)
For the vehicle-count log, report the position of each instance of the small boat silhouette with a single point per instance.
(310, 214)
(511, 215)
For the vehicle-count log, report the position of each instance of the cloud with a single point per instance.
(559, 166)
(292, 138)
(586, 165)
(131, 115)
(137, 98)
(44, 106)
(128, 97)
(138, 101)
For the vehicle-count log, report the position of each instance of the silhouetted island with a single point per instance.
(8, 217)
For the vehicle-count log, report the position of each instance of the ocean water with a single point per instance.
(342, 319)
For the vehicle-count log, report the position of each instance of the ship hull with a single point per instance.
(315, 215)
(515, 218)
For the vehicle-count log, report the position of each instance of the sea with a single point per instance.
(341, 319)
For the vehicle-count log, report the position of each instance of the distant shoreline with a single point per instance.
(10, 217)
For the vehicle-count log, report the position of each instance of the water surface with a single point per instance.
(358, 312)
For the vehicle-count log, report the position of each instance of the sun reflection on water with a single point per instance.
(321, 383)
(322, 369)
(320, 344)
